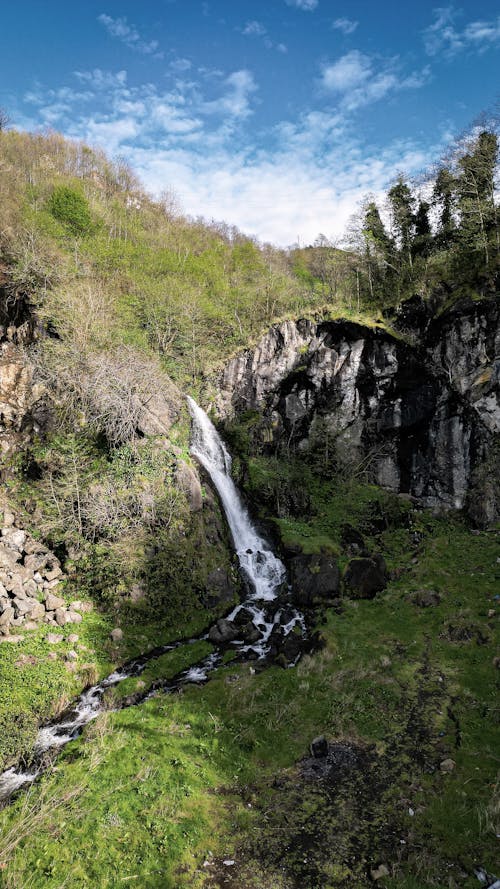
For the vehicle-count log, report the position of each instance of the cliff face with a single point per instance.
(423, 411)
(18, 395)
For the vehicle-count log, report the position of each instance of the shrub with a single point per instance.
(70, 207)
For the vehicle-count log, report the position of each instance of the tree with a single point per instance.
(444, 199)
(422, 243)
(479, 232)
(401, 203)
(378, 247)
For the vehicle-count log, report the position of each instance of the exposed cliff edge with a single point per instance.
(421, 405)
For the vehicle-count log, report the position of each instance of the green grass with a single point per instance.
(159, 786)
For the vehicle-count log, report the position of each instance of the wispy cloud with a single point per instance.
(179, 66)
(347, 26)
(358, 79)
(254, 29)
(306, 5)
(257, 29)
(129, 35)
(442, 38)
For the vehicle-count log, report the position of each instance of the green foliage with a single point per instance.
(69, 206)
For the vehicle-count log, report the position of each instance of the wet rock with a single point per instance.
(242, 617)
(116, 634)
(223, 632)
(314, 577)
(249, 633)
(364, 578)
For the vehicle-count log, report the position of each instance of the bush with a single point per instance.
(69, 206)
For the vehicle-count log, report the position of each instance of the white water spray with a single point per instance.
(259, 564)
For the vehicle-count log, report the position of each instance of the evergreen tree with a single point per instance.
(422, 244)
(444, 199)
(402, 202)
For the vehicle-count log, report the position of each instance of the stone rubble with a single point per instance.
(30, 578)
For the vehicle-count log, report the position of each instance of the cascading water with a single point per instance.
(264, 572)
(258, 563)
(265, 576)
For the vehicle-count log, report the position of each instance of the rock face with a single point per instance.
(423, 410)
(18, 396)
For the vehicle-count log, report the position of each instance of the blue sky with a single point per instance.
(276, 116)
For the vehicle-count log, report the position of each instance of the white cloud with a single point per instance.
(129, 35)
(304, 177)
(442, 37)
(235, 101)
(257, 29)
(98, 79)
(254, 29)
(359, 79)
(180, 65)
(306, 5)
(347, 26)
(349, 72)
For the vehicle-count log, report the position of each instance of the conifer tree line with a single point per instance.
(445, 233)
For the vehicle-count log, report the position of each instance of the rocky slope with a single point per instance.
(420, 406)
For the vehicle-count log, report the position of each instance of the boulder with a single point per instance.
(116, 634)
(37, 612)
(7, 616)
(53, 638)
(319, 747)
(314, 577)
(72, 617)
(61, 617)
(53, 602)
(249, 633)
(425, 598)
(30, 587)
(8, 557)
(219, 588)
(364, 578)
(223, 631)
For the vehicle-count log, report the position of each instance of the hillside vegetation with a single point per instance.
(117, 305)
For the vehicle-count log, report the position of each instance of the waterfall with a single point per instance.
(258, 563)
(271, 620)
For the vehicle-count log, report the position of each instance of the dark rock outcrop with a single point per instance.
(422, 410)
(313, 578)
(364, 578)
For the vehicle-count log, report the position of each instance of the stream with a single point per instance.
(266, 586)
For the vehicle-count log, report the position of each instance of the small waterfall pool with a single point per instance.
(264, 608)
